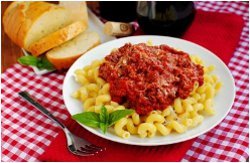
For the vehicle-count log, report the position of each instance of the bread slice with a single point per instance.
(57, 38)
(78, 10)
(26, 22)
(64, 56)
(37, 20)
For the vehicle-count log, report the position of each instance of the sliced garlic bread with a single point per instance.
(27, 22)
(65, 55)
(57, 38)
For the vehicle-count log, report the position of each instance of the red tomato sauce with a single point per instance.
(149, 77)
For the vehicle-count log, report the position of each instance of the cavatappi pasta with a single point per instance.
(179, 117)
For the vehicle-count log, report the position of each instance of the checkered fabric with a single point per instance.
(27, 132)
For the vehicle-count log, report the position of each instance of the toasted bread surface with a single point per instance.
(64, 55)
(42, 19)
(57, 38)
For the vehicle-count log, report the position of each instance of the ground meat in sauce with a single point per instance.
(149, 77)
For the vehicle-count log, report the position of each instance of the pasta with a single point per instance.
(119, 128)
(131, 126)
(179, 117)
(146, 129)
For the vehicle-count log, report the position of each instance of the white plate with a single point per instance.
(94, 25)
(222, 104)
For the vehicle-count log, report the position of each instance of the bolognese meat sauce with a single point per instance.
(149, 77)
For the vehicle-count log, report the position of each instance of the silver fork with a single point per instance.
(76, 145)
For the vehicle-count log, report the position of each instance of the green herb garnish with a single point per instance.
(39, 62)
(28, 60)
(101, 120)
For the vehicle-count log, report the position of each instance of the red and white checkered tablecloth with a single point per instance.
(26, 133)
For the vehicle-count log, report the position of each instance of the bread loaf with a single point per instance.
(64, 55)
(10, 17)
(57, 38)
(58, 30)
(31, 21)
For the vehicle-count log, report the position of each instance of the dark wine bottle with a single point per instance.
(121, 11)
(169, 18)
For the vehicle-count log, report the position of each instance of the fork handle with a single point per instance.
(25, 95)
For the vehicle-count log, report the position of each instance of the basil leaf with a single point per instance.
(118, 114)
(44, 63)
(90, 119)
(39, 62)
(104, 127)
(104, 116)
(102, 120)
(28, 60)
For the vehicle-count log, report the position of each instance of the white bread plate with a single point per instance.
(94, 25)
